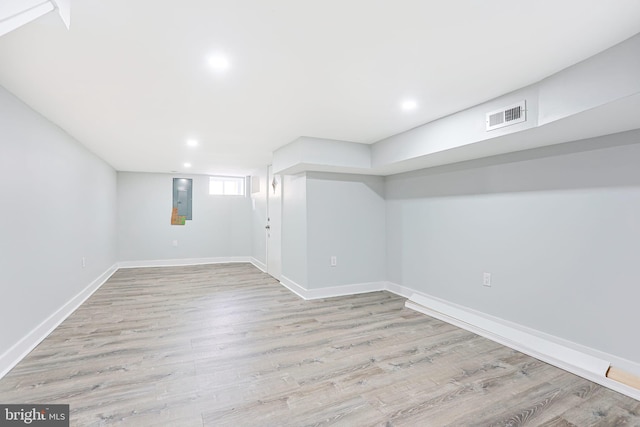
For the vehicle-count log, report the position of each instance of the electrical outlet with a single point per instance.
(84, 262)
(174, 243)
(334, 260)
(486, 279)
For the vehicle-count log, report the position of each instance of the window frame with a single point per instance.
(239, 181)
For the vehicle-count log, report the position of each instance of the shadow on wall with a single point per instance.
(375, 183)
(589, 163)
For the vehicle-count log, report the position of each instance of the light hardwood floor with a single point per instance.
(226, 345)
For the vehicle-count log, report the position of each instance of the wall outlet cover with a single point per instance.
(486, 279)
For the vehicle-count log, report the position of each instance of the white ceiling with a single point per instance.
(131, 79)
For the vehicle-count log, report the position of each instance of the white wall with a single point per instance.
(346, 219)
(557, 227)
(58, 206)
(221, 225)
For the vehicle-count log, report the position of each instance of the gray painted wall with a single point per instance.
(346, 219)
(557, 227)
(259, 218)
(603, 78)
(307, 153)
(294, 228)
(457, 130)
(328, 214)
(58, 206)
(598, 96)
(221, 225)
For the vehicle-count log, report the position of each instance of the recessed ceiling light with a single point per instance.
(409, 104)
(187, 165)
(192, 143)
(219, 62)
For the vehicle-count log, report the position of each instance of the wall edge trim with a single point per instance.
(548, 349)
(582, 361)
(258, 264)
(333, 291)
(182, 262)
(578, 359)
(10, 358)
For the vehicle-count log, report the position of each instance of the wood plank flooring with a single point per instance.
(226, 345)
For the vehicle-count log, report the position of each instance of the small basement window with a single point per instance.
(226, 185)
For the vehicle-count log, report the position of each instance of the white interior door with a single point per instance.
(274, 224)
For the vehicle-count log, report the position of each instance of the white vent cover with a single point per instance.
(507, 116)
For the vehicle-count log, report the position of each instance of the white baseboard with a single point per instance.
(334, 291)
(400, 290)
(182, 262)
(259, 265)
(577, 359)
(19, 350)
(293, 287)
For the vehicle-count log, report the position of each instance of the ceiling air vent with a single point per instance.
(507, 116)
